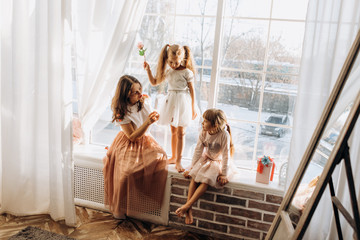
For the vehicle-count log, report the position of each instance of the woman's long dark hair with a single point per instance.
(120, 101)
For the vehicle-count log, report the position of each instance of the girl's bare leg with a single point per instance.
(179, 148)
(192, 187)
(200, 190)
(174, 139)
(189, 219)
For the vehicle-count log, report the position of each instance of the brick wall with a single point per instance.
(234, 212)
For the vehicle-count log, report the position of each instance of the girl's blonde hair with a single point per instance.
(169, 51)
(120, 101)
(217, 119)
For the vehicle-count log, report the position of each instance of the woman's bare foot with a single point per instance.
(189, 217)
(181, 211)
(172, 160)
(179, 167)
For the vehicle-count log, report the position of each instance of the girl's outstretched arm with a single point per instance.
(152, 80)
(133, 133)
(192, 94)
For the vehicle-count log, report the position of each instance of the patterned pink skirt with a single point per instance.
(134, 170)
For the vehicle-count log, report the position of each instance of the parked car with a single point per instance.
(275, 130)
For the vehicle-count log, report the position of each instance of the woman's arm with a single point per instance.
(192, 95)
(133, 133)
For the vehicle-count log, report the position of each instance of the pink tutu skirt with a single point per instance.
(206, 171)
(134, 170)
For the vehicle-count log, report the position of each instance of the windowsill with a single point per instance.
(243, 178)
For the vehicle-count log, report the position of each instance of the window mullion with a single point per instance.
(216, 57)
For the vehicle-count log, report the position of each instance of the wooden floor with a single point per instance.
(93, 224)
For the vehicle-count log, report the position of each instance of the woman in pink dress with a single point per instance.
(135, 164)
(210, 161)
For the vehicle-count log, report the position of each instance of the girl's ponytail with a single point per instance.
(232, 149)
(189, 60)
(160, 71)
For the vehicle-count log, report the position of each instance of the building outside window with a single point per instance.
(247, 57)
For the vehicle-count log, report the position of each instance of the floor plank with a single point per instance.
(97, 225)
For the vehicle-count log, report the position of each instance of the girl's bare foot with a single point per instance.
(181, 211)
(172, 160)
(189, 217)
(179, 167)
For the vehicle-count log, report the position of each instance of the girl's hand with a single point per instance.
(153, 117)
(222, 180)
(186, 173)
(194, 114)
(146, 66)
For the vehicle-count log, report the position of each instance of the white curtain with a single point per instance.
(105, 31)
(36, 163)
(331, 27)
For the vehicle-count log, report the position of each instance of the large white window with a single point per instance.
(248, 58)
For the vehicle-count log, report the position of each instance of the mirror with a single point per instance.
(327, 140)
(332, 123)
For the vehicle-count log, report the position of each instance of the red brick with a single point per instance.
(268, 218)
(230, 220)
(180, 181)
(263, 206)
(274, 199)
(258, 225)
(249, 194)
(203, 214)
(174, 199)
(244, 232)
(214, 207)
(224, 190)
(178, 191)
(246, 213)
(230, 200)
(264, 236)
(212, 226)
(208, 196)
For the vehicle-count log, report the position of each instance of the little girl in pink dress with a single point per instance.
(210, 161)
(135, 164)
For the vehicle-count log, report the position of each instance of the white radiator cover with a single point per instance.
(89, 192)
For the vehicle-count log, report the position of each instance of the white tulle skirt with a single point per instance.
(175, 109)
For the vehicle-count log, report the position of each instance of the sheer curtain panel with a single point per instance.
(105, 31)
(36, 110)
(331, 27)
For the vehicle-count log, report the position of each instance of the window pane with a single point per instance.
(270, 144)
(285, 46)
(155, 32)
(244, 44)
(196, 7)
(279, 94)
(198, 34)
(285, 9)
(160, 7)
(246, 8)
(202, 87)
(239, 94)
(243, 135)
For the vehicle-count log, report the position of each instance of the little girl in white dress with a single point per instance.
(210, 161)
(178, 109)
